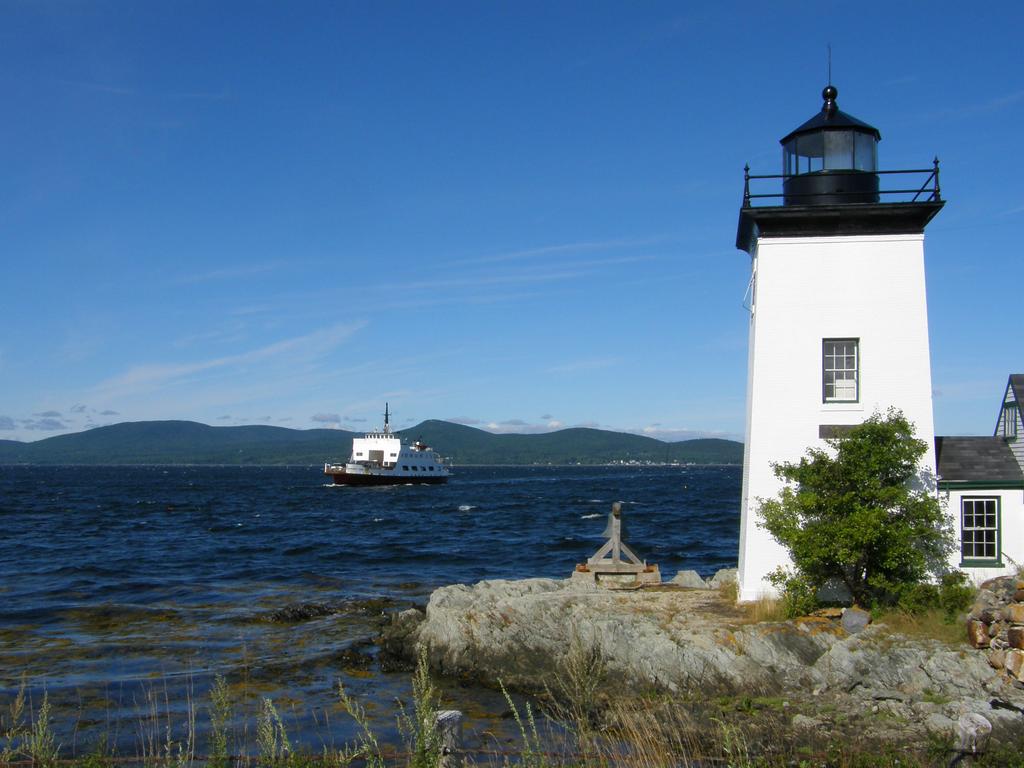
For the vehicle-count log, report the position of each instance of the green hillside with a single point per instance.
(187, 442)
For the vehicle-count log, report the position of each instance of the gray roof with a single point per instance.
(1017, 385)
(977, 460)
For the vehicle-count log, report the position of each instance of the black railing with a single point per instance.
(928, 191)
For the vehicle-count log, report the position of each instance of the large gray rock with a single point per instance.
(525, 633)
(690, 580)
(521, 632)
(722, 577)
(854, 620)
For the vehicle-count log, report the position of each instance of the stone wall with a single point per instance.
(996, 622)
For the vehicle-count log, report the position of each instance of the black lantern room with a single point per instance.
(831, 159)
(830, 186)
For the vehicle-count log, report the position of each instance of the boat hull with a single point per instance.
(343, 478)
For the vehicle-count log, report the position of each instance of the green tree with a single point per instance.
(862, 513)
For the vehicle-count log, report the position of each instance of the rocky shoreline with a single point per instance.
(693, 643)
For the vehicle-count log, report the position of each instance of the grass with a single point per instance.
(587, 718)
(765, 609)
(931, 624)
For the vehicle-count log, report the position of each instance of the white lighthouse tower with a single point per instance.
(838, 316)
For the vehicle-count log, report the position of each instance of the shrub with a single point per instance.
(862, 513)
(797, 595)
(956, 594)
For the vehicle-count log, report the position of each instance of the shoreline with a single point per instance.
(694, 646)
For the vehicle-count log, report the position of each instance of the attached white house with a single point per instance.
(981, 482)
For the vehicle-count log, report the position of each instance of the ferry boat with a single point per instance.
(380, 458)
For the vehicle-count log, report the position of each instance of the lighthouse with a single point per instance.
(838, 313)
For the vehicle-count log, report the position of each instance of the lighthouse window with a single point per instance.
(840, 370)
(838, 150)
(979, 530)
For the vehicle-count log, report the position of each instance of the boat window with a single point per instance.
(405, 467)
(431, 469)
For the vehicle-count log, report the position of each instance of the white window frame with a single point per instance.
(837, 384)
(1010, 419)
(971, 531)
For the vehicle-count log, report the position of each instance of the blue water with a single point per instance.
(113, 579)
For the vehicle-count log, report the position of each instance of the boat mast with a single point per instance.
(387, 429)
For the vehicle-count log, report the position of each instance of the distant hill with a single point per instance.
(188, 442)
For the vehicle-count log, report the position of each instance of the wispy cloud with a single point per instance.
(117, 90)
(232, 333)
(300, 348)
(229, 273)
(562, 248)
(674, 435)
(465, 420)
(520, 427)
(589, 364)
(545, 273)
(46, 424)
(991, 105)
(325, 418)
(7, 424)
(548, 424)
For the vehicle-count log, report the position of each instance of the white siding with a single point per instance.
(1011, 538)
(1013, 432)
(811, 288)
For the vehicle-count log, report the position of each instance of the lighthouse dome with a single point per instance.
(830, 159)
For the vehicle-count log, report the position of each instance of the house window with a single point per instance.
(840, 364)
(1010, 419)
(979, 530)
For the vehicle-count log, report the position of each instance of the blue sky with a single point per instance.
(519, 216)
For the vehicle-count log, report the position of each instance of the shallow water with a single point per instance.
(125, 586)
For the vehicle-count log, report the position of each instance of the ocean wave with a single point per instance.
(590, 517)
(466, 507)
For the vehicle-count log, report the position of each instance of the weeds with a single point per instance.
(930, 624)
(366, 748)
(734, 745)
(419, 729)
(156, 729)
(40, 746)
(578, 684)
(533, 753)
(586, 728)
(765, 609)
(12, 727)
(272, 743)
(730, 591)
(220, 716)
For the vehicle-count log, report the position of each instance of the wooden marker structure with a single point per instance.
(607, 568)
